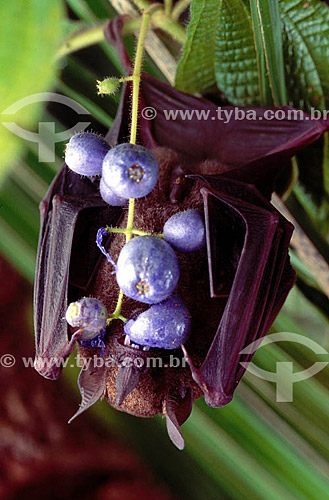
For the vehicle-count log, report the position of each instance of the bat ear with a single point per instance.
(177, 409)
(91, 384)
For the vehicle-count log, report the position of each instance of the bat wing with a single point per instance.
(258, 278)
(71, 213)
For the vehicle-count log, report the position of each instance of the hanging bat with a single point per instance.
(231, 170)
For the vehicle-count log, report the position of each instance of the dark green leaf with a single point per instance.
(266, 14)
(235, 54)
(196, 71)
(306, 52)
(292, 36)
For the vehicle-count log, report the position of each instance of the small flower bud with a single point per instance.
(108, 86)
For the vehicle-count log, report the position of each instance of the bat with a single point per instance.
(249, 268)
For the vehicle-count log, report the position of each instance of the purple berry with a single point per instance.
(185, 231)
(165, 325)
(109, 197)
(85, 153)
(130, 171)
(89, 314)
(147, 269)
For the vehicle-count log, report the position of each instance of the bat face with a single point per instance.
(233, 288)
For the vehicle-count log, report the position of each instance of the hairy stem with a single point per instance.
(136, 76)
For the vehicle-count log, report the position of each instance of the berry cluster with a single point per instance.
(127, 171)
(147, 269)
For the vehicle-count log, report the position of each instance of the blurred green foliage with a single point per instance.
(29, 35)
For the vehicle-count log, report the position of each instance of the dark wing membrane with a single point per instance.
(66, 244)
(260, 283)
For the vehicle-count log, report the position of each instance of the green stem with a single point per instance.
(136, 76)
(122, 318)
(168, 7)
(130, 221)
(179, 8)
(137, 232)
(126, 79)
(142, 4)
(120, 230)
(170, 26)
(80, 40)
(95, 34)
(117, 311)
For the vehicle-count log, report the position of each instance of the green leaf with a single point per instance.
(266, 19)
(224, 47)
(29, 35)
(306, 52)
(196, 71)
(264, 82)
(235, 54)
(220, 48)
